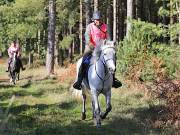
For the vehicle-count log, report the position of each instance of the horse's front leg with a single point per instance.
(93, 112)
(96, 108)
(83, 116)
(10, 77)
(14, 78)
(108, 104)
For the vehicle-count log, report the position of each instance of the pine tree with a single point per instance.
(51, 38)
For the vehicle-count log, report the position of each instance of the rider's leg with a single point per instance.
(77, 84)
(8, 64)
(20, 63)
(116, 82)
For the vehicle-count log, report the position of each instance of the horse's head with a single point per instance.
(14, 55)
(108, 54)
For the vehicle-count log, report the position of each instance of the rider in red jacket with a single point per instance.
(95, 31)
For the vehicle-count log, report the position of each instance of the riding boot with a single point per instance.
(7, 69)
(21, 65)
(87, 52)
(77, 84)
(116, 82)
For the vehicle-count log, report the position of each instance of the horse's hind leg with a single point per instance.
(108, 105)
(83, 116)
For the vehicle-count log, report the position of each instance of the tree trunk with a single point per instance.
(81, 28)
(149, 10)
(110, 20)
(171, 21)
(70, 55)
(179, 23)
(61, 55)
(129, 15)
(143, 10)
(56, 50)
(114, 20)
(29, 50)
(178, 11)
(138, 8)
(73, 46)
(39, 42)
(51, 38)
(120, 19)
(88, 11)
(30, 59)
(1, 54)
(95, 5)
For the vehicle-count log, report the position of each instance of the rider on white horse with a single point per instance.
(95, 32)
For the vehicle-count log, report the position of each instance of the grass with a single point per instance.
(42, 106)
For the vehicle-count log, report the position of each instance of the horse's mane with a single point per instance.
(103, 44)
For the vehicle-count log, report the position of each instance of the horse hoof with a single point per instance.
(98, 125)
(97, 121)
(83, 116)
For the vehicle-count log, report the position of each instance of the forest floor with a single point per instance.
(38, 105)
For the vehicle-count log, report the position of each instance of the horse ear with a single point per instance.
(105, 42)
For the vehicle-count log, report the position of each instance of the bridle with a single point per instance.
(104, 62)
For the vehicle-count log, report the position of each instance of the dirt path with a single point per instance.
(2, 61)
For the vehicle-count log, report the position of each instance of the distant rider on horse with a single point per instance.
(95, 31)
(14, 48)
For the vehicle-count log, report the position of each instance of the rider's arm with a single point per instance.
(87, 35)
(10, 52)
(18, 51)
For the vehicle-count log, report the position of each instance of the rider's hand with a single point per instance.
(91, 46)
(18, 55)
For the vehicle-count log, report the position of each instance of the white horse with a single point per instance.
(99, 79)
